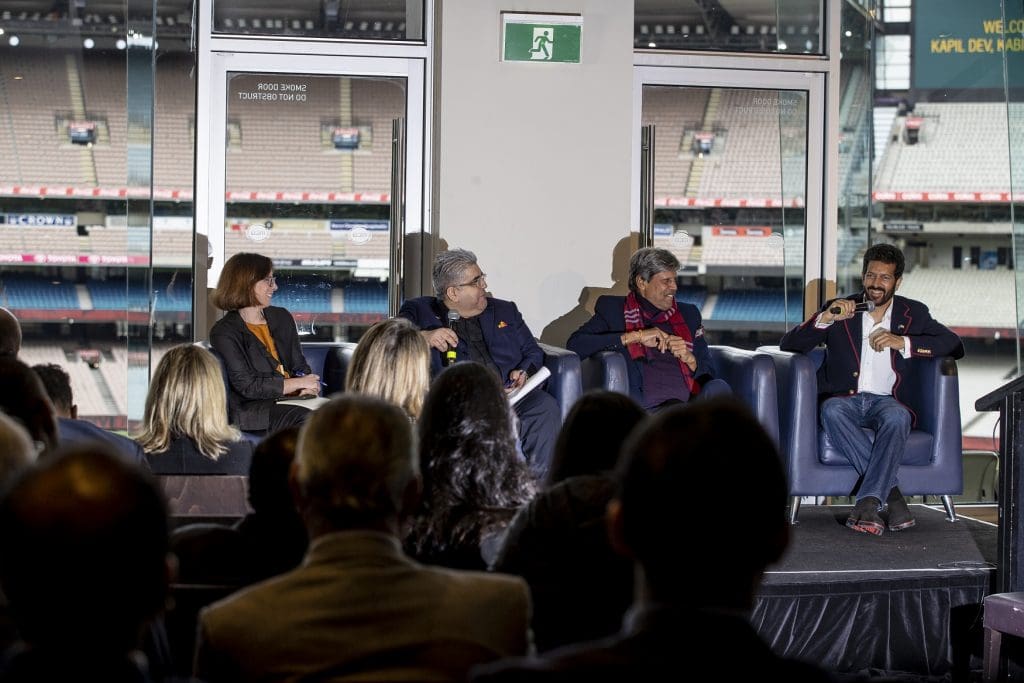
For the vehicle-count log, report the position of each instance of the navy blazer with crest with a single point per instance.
(508, 339)
(838, 374)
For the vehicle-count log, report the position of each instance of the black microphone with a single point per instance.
(861, 307)
(449, 355)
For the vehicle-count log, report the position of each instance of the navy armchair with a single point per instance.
(566, 382)
(932, 463)
(750, 374)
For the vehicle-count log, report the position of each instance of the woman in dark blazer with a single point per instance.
(185, 428)
(259, 346)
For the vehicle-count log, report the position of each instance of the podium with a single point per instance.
(1009, 401)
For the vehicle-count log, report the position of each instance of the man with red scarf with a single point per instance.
(661, 339)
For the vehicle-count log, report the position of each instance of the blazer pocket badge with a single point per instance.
(502, 324)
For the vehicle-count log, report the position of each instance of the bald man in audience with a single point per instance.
(10, 334)
(84, 563)
(358, 608)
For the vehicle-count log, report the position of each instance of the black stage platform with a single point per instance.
(901, 602)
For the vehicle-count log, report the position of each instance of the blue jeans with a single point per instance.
(842, 419)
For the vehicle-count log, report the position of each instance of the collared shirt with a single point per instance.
(876, 374)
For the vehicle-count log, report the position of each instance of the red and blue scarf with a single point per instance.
(639, 317)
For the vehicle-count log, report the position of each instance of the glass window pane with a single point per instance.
(730, 177)
(308, 177)
(942, 184)
(782, 26)
(349, 20)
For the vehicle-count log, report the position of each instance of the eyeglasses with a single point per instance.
(270, 280)
(479, 281)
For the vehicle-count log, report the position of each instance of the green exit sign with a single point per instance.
(541, 37)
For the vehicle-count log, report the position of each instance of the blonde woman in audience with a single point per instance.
(392, 362)
(185, 428)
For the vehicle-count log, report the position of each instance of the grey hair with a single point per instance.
(449, 267)
(648, 262)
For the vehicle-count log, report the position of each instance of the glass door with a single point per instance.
(306, 163)
(733, 189)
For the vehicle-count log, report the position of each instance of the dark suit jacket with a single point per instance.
(603, 331)
(71, 431)
(837, 376)
(509, 340)
(662, 644)
(358, 608)
(254, 383)
(182, 457)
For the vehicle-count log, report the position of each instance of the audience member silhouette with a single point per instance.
(691, 613)
(185, 428)
(580, 587)
(83, 560)
(71, 430)
(392, 362)
(357, 607)
(473, 479)
(23, 397)
(10, 334)
(268, 541)
(16, 453)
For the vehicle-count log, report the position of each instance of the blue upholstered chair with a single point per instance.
(932, 463)
(566, 383)
(751, 376)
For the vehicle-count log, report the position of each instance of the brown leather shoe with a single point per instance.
(865, 517)
(899, 513)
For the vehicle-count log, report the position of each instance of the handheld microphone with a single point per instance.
(861, 307)
(449, 355)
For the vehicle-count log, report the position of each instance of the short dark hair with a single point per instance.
(57, 383)
(678, 465)
(884, 253)
(592, 434)
(268, 472)
(241, 272)
(88, 510)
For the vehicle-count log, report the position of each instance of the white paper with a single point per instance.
(532, 383)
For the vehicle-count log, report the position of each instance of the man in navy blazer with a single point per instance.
(71, 430)
(869, 340)
(461, 322)
(662, 339)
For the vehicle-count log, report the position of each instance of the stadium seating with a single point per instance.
(761, 305)
(962, 148)
(970, 297)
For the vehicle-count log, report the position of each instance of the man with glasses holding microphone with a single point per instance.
(461, 322)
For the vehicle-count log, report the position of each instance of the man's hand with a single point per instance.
(516, 379)
(441, 338)
(651, 337)
(683, 350)
(849, 307)
(884, 339)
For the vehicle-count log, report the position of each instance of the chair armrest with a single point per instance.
(329, 360)
(934, 396)
(751, 376)
(797, 393)
(565, 383)
(606, 370)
